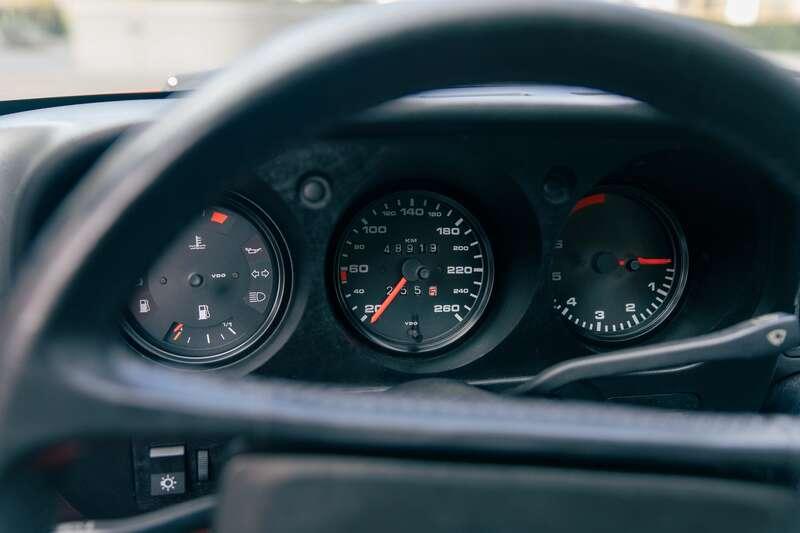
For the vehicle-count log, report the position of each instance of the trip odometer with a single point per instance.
(413, 271)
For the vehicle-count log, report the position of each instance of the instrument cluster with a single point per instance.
(465, 272)
(413, 272)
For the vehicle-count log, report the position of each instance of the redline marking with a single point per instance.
(586, 201)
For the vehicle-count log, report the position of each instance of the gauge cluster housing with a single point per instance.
(518, 165)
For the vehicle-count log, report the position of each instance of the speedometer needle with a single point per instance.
(389, 299)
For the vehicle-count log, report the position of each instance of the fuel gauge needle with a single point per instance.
(389, 299)
(177, 331)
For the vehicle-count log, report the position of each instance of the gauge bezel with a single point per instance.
(434, 348)
(274, 239)
(680, 249)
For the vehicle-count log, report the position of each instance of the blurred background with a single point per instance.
(68, 47)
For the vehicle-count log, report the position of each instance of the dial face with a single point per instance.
(413, 271)
(620, 267)
(212, 294)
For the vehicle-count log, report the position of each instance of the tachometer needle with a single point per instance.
(653, 261)
(646, 261)
(389, 299)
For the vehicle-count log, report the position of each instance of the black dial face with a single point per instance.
(213, 294)
(413, 271)
(620, 267)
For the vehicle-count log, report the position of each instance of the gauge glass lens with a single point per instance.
(413, 271)
(620, 266)
(212, 294)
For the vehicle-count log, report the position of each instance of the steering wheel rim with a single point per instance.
(58, 381)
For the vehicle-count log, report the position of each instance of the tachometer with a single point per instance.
(413, 271)
(214, 293)
(620, 267)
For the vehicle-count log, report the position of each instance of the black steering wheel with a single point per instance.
(59, 376)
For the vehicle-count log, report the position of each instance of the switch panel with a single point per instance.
(168, 471)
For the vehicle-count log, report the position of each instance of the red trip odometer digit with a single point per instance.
(414, 271)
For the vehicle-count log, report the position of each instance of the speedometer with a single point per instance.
(413, 271)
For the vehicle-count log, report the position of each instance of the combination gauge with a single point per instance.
(216, 291)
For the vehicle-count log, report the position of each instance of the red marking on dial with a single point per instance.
(218, 218)
(586, 201)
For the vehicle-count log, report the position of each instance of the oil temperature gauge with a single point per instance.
(213, 294)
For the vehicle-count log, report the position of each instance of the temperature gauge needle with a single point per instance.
(389, 299)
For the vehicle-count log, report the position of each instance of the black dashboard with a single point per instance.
(476, 234)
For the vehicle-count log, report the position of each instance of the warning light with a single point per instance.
(218, 217)
(433, 290)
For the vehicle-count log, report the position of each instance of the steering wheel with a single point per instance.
(61, 380)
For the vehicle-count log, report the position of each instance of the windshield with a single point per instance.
(79, 47)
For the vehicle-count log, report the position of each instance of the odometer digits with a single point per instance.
(413, 271)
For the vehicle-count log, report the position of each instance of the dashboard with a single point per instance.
(476, 234)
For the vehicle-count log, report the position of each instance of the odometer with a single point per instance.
(413, 271)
